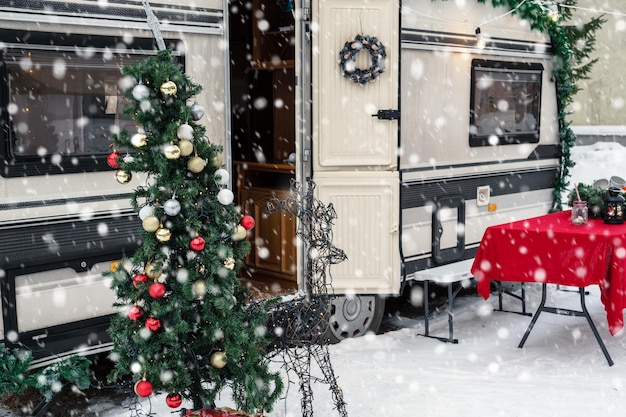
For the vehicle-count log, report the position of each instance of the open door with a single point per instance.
(355, 140)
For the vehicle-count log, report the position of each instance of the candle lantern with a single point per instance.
(614, 207)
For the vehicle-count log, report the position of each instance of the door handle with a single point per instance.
(387, 114)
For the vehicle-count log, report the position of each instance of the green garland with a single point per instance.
(16, 376)
(571, 65)
(594, 196)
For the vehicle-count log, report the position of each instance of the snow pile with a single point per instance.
(601, 160)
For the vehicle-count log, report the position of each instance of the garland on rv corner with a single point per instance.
(16, 374)
(347, 59)
(572, 46)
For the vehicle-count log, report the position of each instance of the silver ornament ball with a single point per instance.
(145, 211)
(171, 207)
(197, 111)
(222, 176)
(225, 196)
(141, 92)
(185, 131)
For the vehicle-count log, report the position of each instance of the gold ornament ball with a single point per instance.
(171, 151)
(196, 164)
(163, 234)
(218, 360)
(229, 263)
(240, 233)
(186, 147)
(218, 161)
(199, 288)
(122, 177)
(150, 224)
(151, 271)
(138, 140)
(168, 88)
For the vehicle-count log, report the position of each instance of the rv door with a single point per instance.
(355, 138)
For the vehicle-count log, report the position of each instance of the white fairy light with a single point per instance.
(480, 41)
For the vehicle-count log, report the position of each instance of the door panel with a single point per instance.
(366, 229)
(355, 154)
(345, 132)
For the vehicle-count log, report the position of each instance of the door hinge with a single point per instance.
(305, 14)
(387, 114)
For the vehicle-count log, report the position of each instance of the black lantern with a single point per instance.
(614, 207)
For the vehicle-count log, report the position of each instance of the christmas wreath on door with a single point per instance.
(347, 59)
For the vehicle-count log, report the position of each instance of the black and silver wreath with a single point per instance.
(347, 59)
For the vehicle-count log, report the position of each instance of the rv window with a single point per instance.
(59, 105)
(505, 103)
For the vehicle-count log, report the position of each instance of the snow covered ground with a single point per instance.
(560, 371)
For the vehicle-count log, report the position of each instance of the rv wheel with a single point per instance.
(354, 315)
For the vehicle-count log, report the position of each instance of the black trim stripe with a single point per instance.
(541, 152)
(66, 337)
(419, 37)
(62, 201)
(421, 264)
(44, 241)
(419, 193)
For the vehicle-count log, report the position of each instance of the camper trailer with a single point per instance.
(423, 123)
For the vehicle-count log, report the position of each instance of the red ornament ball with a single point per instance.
(135, 313)
(112, 160)
(153, 324)
(173, 400)
(139, 279)
(143, 388)
(156, 290)
(247, 222)
(197, 244)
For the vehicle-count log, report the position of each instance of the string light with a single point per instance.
(480, 41)
(587, 9)
(554, 12)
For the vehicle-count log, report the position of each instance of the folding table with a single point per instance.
(549, 249)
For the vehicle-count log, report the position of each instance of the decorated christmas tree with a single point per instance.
(186, 327)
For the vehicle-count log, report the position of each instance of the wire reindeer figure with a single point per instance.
(299, 325)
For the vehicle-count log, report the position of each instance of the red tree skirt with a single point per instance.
(218, 412)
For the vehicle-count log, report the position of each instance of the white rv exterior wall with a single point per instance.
(435, 103)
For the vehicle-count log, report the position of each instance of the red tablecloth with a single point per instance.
(550, 249)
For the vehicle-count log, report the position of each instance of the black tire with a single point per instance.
(354, 316)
